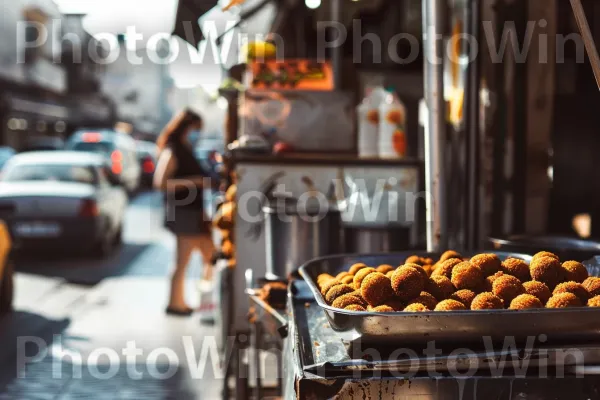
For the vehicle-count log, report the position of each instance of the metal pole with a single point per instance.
(336, 56)
(588, 39)
(472, 107)
(435, 131)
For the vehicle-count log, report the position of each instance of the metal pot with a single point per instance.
(564, 247)
(368, 240)
(296, 235)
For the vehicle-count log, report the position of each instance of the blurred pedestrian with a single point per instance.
(182, 179)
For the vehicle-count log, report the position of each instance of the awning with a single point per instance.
(186, 20)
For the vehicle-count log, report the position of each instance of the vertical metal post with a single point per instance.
(435, 130)
(472, 107)
(336, 56)
(588, 38)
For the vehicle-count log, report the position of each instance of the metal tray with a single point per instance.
(543, 325)
(567, 248)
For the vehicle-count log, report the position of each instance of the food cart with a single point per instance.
(320, 360)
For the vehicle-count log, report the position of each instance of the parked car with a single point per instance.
(147, 153)
(118, 148)
(6, 154)
(62, 200)
(42, 143)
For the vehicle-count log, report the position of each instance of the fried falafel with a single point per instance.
(356, 267)
(467, 276)
(329, 284)
(376, 288)
(341, 275)
(465, 296)
(574, 271)
(355, 307)
(545, 254)
(414, 260)
(445, 267)
(546, 269)
(384, 269)
(507, 287)
(426, 299)
(440, 287)
(539, 290)
(360, 275)
(337, 291)
(381, 308)
(348, 279)
(573, 287)
(407, 282)
(322, 278)
(564, 300)
(395, 303)
(525, 302)
(416, 307)
(450, 305)
(517, 268)
(488, 263)
(450, 254)
(488, 284)
(594, 302)
(592, 285)
(349, 299)
(487, 301)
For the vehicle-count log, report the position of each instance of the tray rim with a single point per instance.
(323, 304)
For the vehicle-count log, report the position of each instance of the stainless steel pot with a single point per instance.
(368, 240)
(296, 235)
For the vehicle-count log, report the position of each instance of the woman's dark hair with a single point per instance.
(177, 128)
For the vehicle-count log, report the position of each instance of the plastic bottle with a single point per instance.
(368, 122)
(392, 127)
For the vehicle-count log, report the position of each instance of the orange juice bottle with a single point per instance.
(392, 127)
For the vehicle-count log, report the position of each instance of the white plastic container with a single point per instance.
(368, 122)
(392, 127)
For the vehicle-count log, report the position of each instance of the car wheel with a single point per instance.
(7, 290)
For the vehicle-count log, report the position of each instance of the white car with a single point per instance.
(62, 200)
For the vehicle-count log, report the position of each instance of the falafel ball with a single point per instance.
(322, 278)
(545, 254)
(488, 263)
(416, 307)
(407, 282)
(329, 284)
(573, 287)
(414, 260)
(355, 307)
(445, 268)
(594, 302)
(465, 296)
(420, 269)
(574, 271)
(384, 269)
(525, 302)
(337, 291)
(426, 299)
(488, 284)
(507, 287)
(440, 287)
(487, 301)
(428, 269)
(341, 275)
(389, 274)
(395, 303)
(546, 269)
(592, 285)
(517, 268)
(348, 279)
(349, 299)
(467, 276)
(381, 308)
(360, 275)
(376, 288)
(450, 254)
(356, 267)
(427, 261)
(564, 300)
(539, 290)
(450, 305)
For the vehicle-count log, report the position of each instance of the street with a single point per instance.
(74, 318)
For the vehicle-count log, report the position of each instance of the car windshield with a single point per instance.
(53, 173)
(104, 148)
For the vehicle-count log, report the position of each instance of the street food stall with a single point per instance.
(401, 315)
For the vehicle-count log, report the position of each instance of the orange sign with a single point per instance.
(292, 75)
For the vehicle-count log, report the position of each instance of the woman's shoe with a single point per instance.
(186, 312)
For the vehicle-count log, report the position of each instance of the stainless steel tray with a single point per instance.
(543, 325)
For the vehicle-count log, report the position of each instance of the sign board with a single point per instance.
(291, 75)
